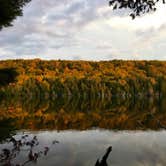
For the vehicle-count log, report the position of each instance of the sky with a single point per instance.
(83, 30)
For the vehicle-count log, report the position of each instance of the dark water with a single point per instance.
(77, 133)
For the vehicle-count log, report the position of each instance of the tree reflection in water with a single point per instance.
(32, 155)
(81, 115)
(77, 115)
(21, 145)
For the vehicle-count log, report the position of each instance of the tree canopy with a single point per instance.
(82, 79)
(137, 7)
(7, 75)
(9, 10)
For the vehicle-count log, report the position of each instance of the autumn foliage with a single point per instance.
(85, 79)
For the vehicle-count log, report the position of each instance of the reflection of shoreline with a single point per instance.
(6, 129)
(19, 147)
(27, 147)
(77, 115)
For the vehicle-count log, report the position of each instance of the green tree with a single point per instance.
(7, 75)
(137, 7)
(9, 10)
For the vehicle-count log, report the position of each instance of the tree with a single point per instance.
(7, 75)
(9, 10)
(137, 7)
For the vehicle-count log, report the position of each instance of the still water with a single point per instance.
(83, 148)
(67, 134)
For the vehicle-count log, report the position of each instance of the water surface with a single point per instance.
(83, 148)
(77, 134)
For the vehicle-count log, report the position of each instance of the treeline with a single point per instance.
(84, 79)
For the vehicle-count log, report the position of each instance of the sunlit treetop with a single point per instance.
(137, 7)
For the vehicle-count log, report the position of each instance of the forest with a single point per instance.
(41, 79)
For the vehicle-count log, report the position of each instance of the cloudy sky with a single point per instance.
(83, 29)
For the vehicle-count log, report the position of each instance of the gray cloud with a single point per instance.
(63, 28)
(30, 36)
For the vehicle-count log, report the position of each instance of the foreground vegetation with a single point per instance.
(83, 79)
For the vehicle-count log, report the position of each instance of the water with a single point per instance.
(83, 148)
(67, 134)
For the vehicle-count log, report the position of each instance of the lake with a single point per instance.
(77, 132)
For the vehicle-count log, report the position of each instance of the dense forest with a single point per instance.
(29, 79)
